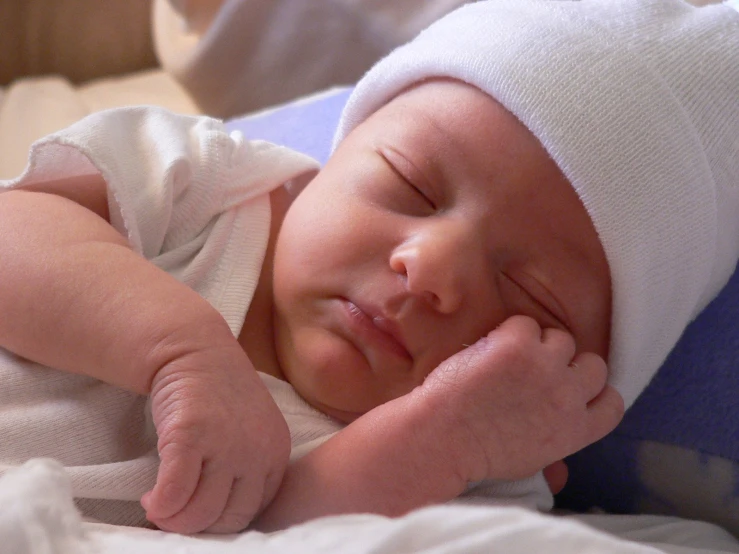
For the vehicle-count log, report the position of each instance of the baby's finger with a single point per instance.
(249, 496)
(177, 479)
(556, 475)
(205, 506)
(520, 326)
(593, 372)
(561, 341)
(270, 486)
(243, 504)
(605, 412)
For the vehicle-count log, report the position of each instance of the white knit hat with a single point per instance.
(637, 101)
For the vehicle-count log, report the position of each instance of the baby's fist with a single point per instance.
(223, 443)
(519, 399)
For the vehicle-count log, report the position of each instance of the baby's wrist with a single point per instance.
(433, 437)
(449, 435)
(172, 354)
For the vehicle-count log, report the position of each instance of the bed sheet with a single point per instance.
(38, 516)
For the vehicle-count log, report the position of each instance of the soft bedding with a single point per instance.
(689, 408)
(38, 516)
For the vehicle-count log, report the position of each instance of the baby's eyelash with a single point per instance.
(419, 192)
(406, 171)
(535, 300)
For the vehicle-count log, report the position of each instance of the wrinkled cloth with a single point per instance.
(37, 516)
(191, 198)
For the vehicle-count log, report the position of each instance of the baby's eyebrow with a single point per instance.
(413, 120)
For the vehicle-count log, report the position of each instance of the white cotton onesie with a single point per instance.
(193, 200)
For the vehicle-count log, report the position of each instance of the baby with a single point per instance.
(503, 211)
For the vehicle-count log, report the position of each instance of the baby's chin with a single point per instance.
(344, 416)
(341, 415)
(344, 412)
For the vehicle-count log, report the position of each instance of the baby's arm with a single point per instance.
(74, 296)
(78, 298)
(504, 408)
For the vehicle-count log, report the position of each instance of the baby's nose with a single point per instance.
(436, 267)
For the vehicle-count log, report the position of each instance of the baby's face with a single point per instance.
(434, 221)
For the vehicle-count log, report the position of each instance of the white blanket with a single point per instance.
(37, 515)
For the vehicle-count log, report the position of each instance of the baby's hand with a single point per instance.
(516, 401)
(223, 443)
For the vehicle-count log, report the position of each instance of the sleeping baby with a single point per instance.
(526, 190)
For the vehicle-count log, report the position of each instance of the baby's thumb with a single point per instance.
(451, 372)
(498, 348)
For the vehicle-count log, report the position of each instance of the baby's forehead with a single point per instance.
(451, 123)
(457, 111)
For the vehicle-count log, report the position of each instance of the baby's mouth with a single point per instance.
(373, 330)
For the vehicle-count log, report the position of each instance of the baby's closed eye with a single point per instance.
(524, 297)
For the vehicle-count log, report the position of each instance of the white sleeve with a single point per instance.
(309, 428)
(163, 170)
(530, 493)
(235, 56)
(188, 196)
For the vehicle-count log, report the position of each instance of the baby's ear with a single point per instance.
(556, 476)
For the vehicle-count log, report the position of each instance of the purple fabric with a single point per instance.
(693, 403)
(304, 126)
